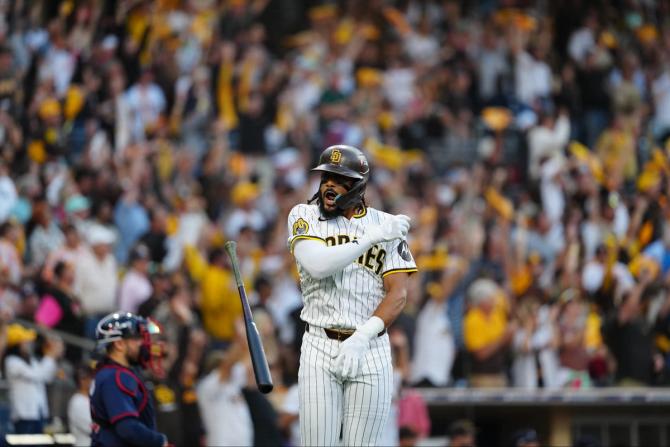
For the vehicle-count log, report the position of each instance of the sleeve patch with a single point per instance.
(403, 251)
(300, 227)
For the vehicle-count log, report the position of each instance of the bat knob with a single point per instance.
(265, 388)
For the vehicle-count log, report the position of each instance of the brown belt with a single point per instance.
(340, 334)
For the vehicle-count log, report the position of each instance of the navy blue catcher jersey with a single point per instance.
(117, 393)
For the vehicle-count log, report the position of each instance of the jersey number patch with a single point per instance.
(300, 227)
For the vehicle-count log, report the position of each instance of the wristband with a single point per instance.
(372, 327)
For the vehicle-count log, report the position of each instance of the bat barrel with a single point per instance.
(258, 358)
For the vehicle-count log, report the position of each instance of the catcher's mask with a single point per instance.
(349, 162)
(126, 325)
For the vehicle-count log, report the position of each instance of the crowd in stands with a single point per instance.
(527, 139)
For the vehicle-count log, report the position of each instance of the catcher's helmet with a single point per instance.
(350, 162)
(120, 325)
(126, 325)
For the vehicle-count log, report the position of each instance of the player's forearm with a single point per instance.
(322, 261)
(394, 301)
(391, 306)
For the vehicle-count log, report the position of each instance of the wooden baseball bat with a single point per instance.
(258, 359)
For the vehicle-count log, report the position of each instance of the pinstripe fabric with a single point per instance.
(357, 410)
(348, 298)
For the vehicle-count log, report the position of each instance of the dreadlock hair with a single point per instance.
(316, 197)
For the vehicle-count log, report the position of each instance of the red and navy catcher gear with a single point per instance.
(349, 162)
(126, 325)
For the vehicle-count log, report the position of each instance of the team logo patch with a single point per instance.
(403, 251)
(336, 156)
(300, 227)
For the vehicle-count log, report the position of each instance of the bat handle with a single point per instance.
(231, 249)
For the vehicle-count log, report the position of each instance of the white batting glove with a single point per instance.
(354, 348)
(394, 227)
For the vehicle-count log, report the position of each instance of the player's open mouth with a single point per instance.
(329, 197)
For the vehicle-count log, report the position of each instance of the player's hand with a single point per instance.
(352, 351)
(394, 227)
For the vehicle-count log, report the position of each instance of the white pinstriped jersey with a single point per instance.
(347, 298)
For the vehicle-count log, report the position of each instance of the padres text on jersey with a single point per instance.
(347, 298)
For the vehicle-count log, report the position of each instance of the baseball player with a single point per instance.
(121, 406)
(354, 265)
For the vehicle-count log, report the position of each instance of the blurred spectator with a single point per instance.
(264, 418)
(226, 416)
(629, 338)
(288, 416)
(524, 368)
(276, 290)
(244, 214)
(68, 252)
(629, 88)
(413, 413)
(492, 64)
(434, 345)
(27, 377)
(96, 278)
(8, 193)
(616, 149)
(146, 102)
(136, 288)
(220, 304)
(46, 236)
(177, 407)
(11, 266)
(132, 221)
(526, 438)
(161, 286)
(60, 309)
(659, 250)
(462, 433)
(583, 40)
(176, 316)
(156, 238)
(22, 304)
(59, 63)
(78, 408)
(660, 93)
(574, 356)
(592, 79)
(487, 334)
(547, 140)
(407, 437)
(603, 272)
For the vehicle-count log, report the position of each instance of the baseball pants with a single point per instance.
(357, 409)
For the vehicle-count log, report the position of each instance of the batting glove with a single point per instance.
(394, 227)
(353, 349)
